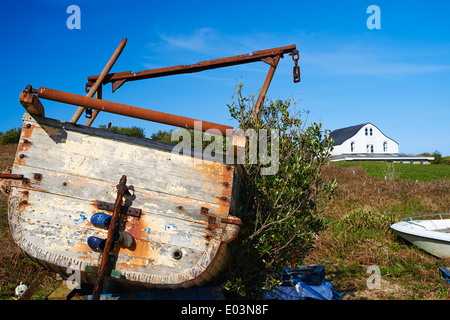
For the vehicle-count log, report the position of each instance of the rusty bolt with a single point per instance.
(224, 198)
(24, 201)
(22, 156)
(64, 184)
(180, 207)
(228, 167)
(26, 141)
(37, 176)
(28, 125)
(225, 184)
(25, 192)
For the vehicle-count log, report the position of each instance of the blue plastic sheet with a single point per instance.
(301, 283)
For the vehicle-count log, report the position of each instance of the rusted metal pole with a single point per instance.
(100, 78)
(119, 78)
(130, 111)
(98, 287)
(10, 176)
(265, 87)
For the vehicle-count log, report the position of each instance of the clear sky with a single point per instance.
(396, 77)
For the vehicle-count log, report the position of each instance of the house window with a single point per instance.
(370, 131)
(385, 146)
(352, 147)
(366, 131)
(369, 148)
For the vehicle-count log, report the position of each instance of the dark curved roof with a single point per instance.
(340, 135)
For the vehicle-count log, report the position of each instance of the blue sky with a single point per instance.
(396, 77)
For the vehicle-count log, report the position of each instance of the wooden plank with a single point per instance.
(34, 285)
(68, 218)
(61, 293)
(84, 189)
(36, 120)
(153, 169)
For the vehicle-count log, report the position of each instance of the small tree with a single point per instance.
(437, 158)
(11, 136)
(279, 212)
(164, 136)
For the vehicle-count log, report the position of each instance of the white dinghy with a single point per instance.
(429, 232)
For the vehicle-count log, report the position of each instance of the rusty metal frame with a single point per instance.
(108, 206)
(121, 190)
(269, 56)
(125, 110)
(119, 78)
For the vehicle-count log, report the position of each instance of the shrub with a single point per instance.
(130, 131)
(11, 136)
(437, 158)
(164, 136)
(279, 212)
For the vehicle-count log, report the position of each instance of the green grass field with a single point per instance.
(403, 171)
(358, 236)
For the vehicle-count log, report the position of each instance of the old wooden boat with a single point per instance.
(179, 209)
(428, 232)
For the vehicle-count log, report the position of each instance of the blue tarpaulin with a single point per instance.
(299, 283)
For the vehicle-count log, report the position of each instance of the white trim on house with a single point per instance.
(382, 157)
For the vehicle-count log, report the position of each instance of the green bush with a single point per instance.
(164, 136)
(11, 136)
(437, 158)
(279, 211)
(130, 131)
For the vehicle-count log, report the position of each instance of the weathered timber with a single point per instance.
(67, 169)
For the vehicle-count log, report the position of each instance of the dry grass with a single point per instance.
(358, 236)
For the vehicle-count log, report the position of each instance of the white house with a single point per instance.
(367, 142)
(362, 138)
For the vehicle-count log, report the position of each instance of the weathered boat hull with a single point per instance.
(187, 204)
